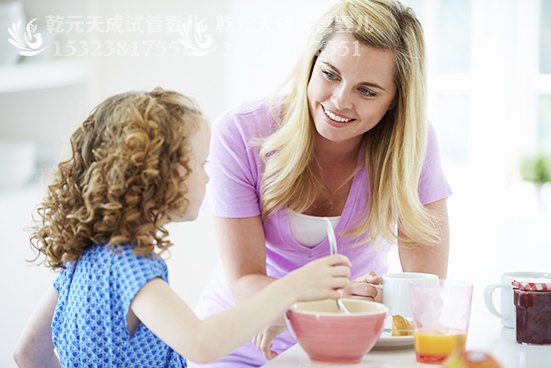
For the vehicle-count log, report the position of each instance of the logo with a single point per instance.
(32, 40)
(202, 40)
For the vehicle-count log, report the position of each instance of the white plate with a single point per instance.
(387, 342)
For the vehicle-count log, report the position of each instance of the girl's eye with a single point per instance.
(328, 75)
(366, 92)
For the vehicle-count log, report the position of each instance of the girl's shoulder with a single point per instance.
(119, 257)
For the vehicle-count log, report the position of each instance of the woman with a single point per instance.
(350, 142)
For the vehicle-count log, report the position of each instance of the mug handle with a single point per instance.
(378, 286)
(490, 303)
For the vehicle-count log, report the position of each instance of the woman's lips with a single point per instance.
(330, 117)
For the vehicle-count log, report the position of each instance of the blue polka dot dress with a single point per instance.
(89, 325)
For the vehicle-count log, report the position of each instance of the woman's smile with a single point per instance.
(337, 120)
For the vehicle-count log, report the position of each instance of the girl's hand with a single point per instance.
(263, 340)
(360, 288)
(320, 279)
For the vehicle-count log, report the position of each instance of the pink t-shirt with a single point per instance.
(235, 171)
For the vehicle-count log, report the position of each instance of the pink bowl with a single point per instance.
(331, 337)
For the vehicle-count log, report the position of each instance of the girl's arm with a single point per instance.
(430, 259)
(35, 347)
(158, 307)
(242, 248)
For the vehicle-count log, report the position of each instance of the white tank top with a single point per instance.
(309, 231)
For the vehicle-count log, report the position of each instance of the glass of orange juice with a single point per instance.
(441, 310)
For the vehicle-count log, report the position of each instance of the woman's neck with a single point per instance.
(337, 153)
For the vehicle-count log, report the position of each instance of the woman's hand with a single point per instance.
(360, 288)
(263, 340)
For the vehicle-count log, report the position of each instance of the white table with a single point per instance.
(485, 334)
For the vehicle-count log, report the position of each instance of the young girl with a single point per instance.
(137, 164)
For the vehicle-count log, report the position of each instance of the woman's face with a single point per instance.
(351, 88)
(198, 179)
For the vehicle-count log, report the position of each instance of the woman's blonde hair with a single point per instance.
(121, 182)
(393, 151)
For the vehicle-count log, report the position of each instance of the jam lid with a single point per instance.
(532, 283)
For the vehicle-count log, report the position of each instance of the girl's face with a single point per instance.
(351, 89)
(198, 179)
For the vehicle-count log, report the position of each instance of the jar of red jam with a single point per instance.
(533, 304)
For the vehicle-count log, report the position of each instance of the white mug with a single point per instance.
(395, 288)
(508, 311)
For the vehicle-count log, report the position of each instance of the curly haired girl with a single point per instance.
(136, 165)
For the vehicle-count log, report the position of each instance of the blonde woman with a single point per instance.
(351, 142)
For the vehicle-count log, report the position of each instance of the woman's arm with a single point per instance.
(158, 307)
(430, 259)
(35, 347)
(419, 259)
(242, 248)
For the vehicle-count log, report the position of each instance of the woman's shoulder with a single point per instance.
(255, 107)
(432, 140)
(257, 118)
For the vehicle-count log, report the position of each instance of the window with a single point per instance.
(544, 78)
(544, 123)
(453, 126)
(545, 36)
(453, 45)
(448, 33)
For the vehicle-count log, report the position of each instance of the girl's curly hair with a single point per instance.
(121, 183)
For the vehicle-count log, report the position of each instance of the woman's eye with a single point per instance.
(366, 92)
(328, 75)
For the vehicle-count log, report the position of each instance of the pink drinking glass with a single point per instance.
(441, 310)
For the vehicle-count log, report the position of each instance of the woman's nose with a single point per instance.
(341, 98)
